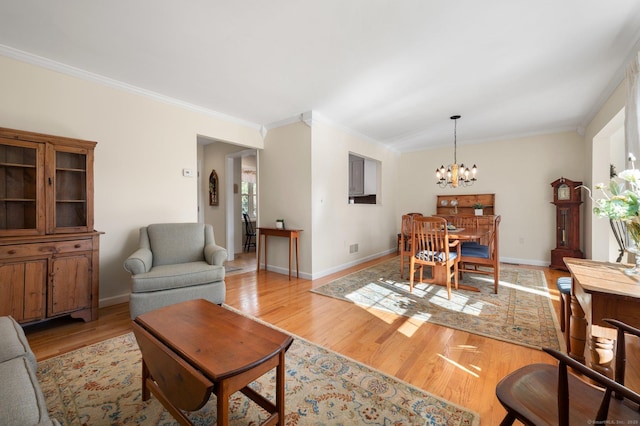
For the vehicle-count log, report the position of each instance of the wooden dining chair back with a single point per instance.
(249, 233)
(483, 257)
(404, 239)
(545, 394)
(430, 240)
(465, 221)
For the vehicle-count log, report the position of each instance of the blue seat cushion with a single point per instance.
(470, 244)
(564, 285)
(477, 250)
(439, 256)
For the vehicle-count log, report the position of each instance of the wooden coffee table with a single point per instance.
(194, 348)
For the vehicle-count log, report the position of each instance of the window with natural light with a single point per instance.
(249, 193)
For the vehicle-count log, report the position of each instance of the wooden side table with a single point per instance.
(194, 348)
(292, 234)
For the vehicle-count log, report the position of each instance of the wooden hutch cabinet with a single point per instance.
(49, 251)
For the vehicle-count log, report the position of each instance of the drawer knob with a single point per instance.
(12, 252)
(77, 246)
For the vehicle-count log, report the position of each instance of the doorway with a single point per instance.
(241, 172)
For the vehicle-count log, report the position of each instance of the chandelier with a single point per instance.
(455, 175)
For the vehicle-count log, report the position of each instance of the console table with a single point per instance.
(292, 234)
(600, 290)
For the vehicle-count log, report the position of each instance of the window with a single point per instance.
(249, 194)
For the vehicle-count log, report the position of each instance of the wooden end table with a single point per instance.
(194, 348)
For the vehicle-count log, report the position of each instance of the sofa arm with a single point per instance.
(214, 254)
(139, 262)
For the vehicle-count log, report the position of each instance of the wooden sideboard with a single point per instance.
(447, 205)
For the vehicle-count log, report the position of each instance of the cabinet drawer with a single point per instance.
(39, 249)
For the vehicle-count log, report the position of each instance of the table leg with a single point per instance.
(266, 252)
(297, 259)
(290, 254)
(222, 416)
(578, 333)
(280, 389)
(602, 355)
(259, 246)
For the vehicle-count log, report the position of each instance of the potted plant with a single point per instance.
(478, 209)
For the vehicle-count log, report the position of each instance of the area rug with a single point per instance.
(101, 385)
(521, 312)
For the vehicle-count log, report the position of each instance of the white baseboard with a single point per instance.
(339, 268)
(517, 261)
(114, 300)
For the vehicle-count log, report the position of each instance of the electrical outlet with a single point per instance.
(187, 172)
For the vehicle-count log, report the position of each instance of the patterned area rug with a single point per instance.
(100, 385)
(521, 312)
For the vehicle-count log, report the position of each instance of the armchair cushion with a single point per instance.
(166, 277)
(176, 242)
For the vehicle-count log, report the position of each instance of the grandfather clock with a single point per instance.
(567, 198)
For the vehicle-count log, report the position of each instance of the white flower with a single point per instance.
(630, 175)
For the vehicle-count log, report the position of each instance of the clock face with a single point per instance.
(564, 192)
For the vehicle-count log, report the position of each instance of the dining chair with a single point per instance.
(404, 238)
(546, 394)
(430, 240)
(483, 257)
(249, 233)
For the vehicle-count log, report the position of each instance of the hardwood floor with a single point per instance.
(461, 367)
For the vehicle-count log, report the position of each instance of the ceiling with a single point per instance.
(393, 71)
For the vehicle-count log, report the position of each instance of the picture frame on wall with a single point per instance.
(213, 188)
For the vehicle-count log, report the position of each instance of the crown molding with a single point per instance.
(43, 62)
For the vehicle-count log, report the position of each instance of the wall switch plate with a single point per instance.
(187, 172)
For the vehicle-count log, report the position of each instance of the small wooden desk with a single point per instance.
(194, 348)
(600, 290)
(292, 234)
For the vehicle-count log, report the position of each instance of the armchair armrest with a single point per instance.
(215, 254)
(139, 262)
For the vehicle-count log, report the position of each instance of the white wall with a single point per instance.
(143, 145)
(518, 171)
(303, 178)
(284, 192)
(337, 224)
(597, 138)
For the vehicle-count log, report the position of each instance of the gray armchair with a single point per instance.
(175, 262)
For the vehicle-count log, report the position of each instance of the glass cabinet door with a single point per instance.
(68, 183)
(21, 188)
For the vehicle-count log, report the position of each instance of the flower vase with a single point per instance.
(633, 230)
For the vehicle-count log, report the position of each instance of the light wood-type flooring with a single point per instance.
(458, 366)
